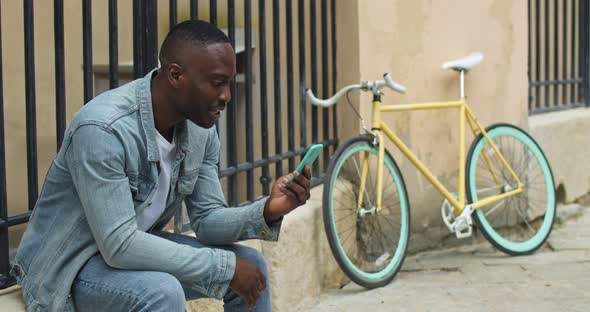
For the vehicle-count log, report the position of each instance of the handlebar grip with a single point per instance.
(392, 84)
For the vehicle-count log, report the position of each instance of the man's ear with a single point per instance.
(175, 75)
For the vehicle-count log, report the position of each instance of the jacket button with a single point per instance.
(17, 271)
(264, 233)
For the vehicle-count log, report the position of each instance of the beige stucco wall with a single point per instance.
(411, 40)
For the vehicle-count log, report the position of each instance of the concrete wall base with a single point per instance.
(564, 137)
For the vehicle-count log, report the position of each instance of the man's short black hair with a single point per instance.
(192, 32)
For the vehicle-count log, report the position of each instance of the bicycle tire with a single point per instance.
(352, 267)
(534, 209)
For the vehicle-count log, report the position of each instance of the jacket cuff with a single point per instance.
(264, 231)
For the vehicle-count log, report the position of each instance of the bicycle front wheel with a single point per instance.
(369, 244)
(518, 224)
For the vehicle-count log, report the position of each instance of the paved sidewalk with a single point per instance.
(478, 278)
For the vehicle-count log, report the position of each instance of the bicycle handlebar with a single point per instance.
(374, 86)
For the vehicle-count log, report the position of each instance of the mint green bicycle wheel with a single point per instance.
(519, 224)
(369, 245)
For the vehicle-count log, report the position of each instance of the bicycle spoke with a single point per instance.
(345, 217)
(488, 212)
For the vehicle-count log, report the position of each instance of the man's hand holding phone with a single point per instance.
(292, 190)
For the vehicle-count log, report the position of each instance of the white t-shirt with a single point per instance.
(147, 217)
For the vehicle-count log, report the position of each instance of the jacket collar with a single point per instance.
(143, 95)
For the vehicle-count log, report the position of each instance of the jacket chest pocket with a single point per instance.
(142, 189)
(187, 181)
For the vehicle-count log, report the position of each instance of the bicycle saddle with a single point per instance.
(465, 63)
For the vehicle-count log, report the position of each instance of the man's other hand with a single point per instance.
(288, 194)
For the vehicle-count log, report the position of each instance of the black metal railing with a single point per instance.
(292, 152)
(5, 280)
(559, 54)
(268, 97)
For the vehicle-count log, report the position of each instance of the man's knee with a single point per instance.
(253, 256)
(168, 295)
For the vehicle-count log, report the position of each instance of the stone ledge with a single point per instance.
(301, 264)
(563, 136)
(11, 299)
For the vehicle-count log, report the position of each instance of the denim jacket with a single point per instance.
(105, 172)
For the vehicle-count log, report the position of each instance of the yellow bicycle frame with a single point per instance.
(465, 113)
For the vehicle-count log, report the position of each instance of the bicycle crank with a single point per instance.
(460, 225)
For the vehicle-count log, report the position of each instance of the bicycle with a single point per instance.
(505, 185)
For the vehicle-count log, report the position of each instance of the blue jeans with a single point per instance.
(99, 287)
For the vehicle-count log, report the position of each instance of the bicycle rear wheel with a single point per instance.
(518, 224)
(368, 244)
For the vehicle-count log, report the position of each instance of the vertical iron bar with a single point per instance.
(334, 109)
(138, 39)
(314, 78)
(213, 12)
(60, 85)
(248, 91)
(31, 121)
(581, 50)
(587, 52)
(5, 279)
(529, 70)
(547, 87)
(232, 121)
(194, 9)
(290, 95)
(113, 45)
(555, 52)
(87, 46)
(573, 75)
(325, 86)
(564, 73)
(173, 13)
(265, 178)
(277, 82)
(151, 35)
(213, 20)
(537, 53)
(302, 75)
(584, 57)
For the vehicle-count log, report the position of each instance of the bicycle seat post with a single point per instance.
(462, 84)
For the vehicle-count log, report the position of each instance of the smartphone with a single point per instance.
(311, 155)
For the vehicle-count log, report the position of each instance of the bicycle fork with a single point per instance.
(364, 173)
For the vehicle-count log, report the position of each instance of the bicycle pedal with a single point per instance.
(463, 226)
(464, 234)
